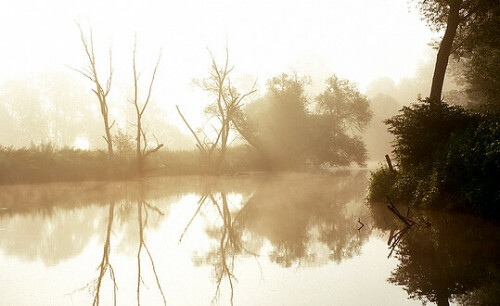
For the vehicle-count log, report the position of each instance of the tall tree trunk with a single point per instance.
(444, 51)
(442, 297)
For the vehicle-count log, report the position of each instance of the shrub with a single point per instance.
(447, 157)
(382, 182)
(424, 129)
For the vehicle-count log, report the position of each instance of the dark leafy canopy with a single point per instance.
(478, 22)
(291, 129)
(474, 15)
(482, 74)
(476, 43)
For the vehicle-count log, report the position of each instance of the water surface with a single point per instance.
(281, 239)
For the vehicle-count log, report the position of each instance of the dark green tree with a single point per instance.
(469, 25)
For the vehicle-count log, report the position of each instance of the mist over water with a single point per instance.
(266, 239)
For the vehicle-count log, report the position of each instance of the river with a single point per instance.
(261, 239)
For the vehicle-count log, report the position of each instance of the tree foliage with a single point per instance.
(290, 128)
(476, 42)
(448, 157)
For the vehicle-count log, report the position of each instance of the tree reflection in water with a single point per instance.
(229, 243)
(292, 219)
(143, 210)
(299, 218)
(446, 258)
(314, 223)
(105, 265)
(144, 207)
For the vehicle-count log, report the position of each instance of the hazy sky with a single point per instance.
(356, 39)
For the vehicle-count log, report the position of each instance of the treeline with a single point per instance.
(283, 128)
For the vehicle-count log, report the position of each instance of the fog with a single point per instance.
(234, 152)
(59, 108)
(43, 100)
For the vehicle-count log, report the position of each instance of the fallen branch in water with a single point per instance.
(393, 208)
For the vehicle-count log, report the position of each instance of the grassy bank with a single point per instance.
(48, 164)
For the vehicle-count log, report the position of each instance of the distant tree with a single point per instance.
(90, 72)
(24, 110)
(46, 108)
(7, 125)
(342, 113)
(277, 123)
(289, 129)
(377, 139)
(70, 115)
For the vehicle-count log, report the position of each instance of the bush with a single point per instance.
(382, 182)
(472, 168)
(424, 129)
(447, 157)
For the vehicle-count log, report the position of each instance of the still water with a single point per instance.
(274, 239)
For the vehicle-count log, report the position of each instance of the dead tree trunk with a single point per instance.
(227, 102)
(141, 141)
(101, 92)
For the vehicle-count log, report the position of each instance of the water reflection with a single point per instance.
(136, 240)
(307, 222)
(229, 243)
(300, 218)
(144, 208)
(50, 235)
(105, 265)
(444, 258)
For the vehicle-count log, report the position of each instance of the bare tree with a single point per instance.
(206, 147)
(90, 72)
(142, 149)
(228, 101)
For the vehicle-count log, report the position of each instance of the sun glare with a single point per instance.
(81, 143)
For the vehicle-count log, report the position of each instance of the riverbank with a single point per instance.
(43, 164)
